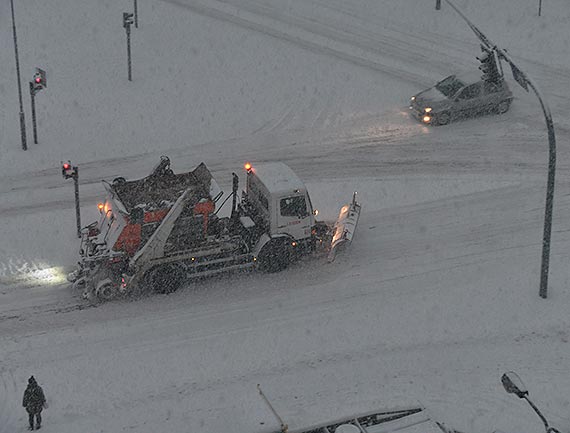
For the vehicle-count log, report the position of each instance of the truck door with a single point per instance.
(293, 217)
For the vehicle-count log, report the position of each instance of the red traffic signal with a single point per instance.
(39, 81)
(67, 170)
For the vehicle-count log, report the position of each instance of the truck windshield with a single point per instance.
(293, 207)
(449, 86)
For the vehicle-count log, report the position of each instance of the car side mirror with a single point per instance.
(513, 384)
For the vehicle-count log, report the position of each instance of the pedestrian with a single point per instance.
(34, 401)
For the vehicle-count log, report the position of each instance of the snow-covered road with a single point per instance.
(437, 296)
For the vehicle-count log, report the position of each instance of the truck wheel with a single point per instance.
(275, 255)
(164, 279)
(503, 107)
(106, 291)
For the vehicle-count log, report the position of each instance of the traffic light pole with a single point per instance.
(127, 22)
(70, 171)
(22, 120)
(33, 98)
(525, 82)
(129, 51)
(77, 211)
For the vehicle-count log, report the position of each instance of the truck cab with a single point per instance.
(280, 201)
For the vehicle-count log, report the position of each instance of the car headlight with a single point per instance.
(427, 109)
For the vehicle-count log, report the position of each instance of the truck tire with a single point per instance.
(503, 107)
(106, 291)
(164, 279)
(275, 255)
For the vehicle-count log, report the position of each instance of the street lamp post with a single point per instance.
(22, 120)
(525, 82)
(514, 385)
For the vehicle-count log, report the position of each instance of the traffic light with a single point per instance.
(489, 66)
(39, 80)
(67, 170)
(127, 20)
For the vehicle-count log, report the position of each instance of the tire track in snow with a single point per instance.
(325, 42)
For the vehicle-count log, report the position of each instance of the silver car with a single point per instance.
(458, 97)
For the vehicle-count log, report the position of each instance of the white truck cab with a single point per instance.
(281, 198)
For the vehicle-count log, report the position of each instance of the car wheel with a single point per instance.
(443, 118)
(503, 107)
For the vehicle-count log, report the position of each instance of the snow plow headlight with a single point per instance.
(426, 119)
(427, 109)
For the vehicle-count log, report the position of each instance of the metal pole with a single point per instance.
(549, 195)
(284, 427)
(525, 81)
(539, 7)
(128, 29)
(22, 120)
(544, 421)
(136, 15)
(33, 97)
(77, 212)
(437, 5)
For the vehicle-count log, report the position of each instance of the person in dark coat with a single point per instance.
(34, 402)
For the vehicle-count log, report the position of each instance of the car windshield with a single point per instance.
(449, 86)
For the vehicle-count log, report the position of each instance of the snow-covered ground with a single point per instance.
(438, 294)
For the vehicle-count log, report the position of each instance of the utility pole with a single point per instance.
(437, 5)
(22, 120)
(539, 7)
(127, 22)
(525, 82)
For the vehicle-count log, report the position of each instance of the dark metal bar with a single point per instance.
(77, 211)
(33, 98)
(129, 51)
(22, 119)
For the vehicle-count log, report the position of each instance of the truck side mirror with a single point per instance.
(513, 384)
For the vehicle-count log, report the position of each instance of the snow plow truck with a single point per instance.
(160, 231)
